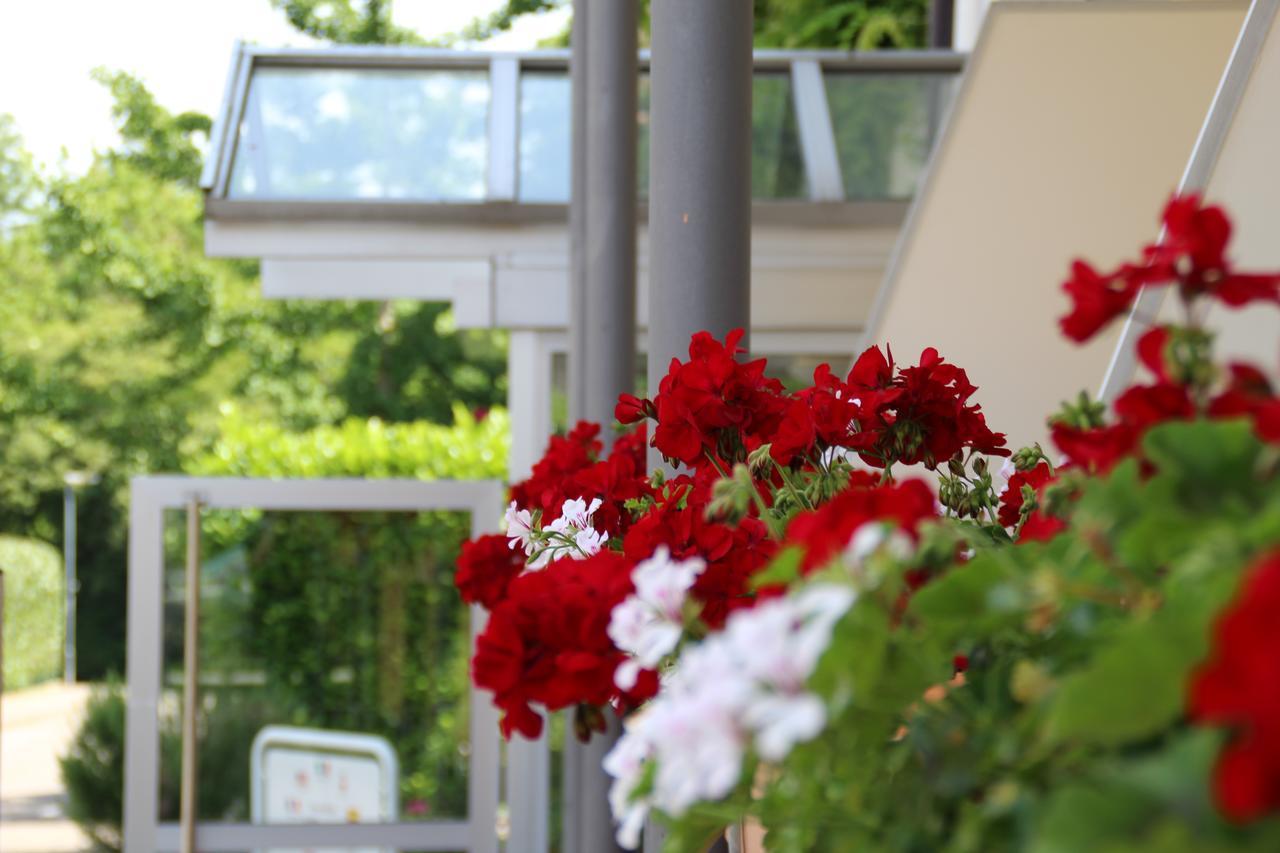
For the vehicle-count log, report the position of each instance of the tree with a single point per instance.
(347, 22)
(120, 342)
(840, 24)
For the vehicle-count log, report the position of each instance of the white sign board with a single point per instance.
(317, 776)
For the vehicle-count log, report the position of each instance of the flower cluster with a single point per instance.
(547, 642)
(1238, 688)
(1191, 256)
(697, 604)
(712, 410)
(743, 687)
(648, 625)
(572, 534)
(711, 407)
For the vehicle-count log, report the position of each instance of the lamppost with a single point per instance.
(72, 480)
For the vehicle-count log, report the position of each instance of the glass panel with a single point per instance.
(373, 134)
(777, 164)
(337, 622)
(884, 126)
(546, 131)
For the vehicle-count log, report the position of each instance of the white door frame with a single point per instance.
(149, 498)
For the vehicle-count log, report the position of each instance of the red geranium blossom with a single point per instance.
(486, 566)
(548, 642)
(1192, 255)
(733, 553)
(711, 405)
(827, 530)
(1239, 687)
(1011, 501)
(922, 415)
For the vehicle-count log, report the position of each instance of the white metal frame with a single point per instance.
(149, 498)
(1204, 157)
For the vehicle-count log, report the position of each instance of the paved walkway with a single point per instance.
(38, 725)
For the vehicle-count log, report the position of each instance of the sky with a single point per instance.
(181, 49)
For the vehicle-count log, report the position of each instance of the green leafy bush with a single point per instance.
(93, 769)
(33, 611)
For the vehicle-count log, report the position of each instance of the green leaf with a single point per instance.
(783, 570)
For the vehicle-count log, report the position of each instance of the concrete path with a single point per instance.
(38, 725)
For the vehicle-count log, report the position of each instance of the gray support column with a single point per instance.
(571, 758)
(603, 302)
(610, 287)
(699, 174)
(577, 211)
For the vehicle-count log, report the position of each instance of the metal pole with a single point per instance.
(699, 174)
(190, 681)
(69, 569)
(571, 756)
(603, 312)
(610, 293)
(578, 212)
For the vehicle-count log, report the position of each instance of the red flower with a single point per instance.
(1194, 250)
(922, 415)
(1238, 688)
(1011, 501)
(733, 554)
(712, 404)
(1152, 348)
(547, 642)
(631, 409)
(827, 530)
(1192, 255)
(565, 457)
(486, 566)
(1096, 298)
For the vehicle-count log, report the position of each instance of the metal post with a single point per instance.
(603, 303)
(699, 174)
(577, 212)
(610, 293)
(190, 681)
(571, 756)
(69, 593)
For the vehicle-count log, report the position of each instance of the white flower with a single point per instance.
(626, 763)
(745, 683)
(519, 528)
(648, 624)
(589, 542)
(575, 514)
(875, 536)
(780, 722)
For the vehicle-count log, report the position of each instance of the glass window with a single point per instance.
(375, 134)
(777, 165)
(546, 136)
(884, 126)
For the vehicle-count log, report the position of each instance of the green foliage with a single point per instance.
(352, 618)
(347, 22)
(33, 611)
(1068, 731)
(120, 342)
(843, 24)
(93, 768)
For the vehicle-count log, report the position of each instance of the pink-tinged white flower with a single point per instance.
(589, 542)
(520, 529)
(743, 684)
(874, 537)
(648, 624)
(575, 514)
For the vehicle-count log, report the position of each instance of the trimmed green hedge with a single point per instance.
(33, 611)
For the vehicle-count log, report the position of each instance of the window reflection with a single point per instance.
(368, 134)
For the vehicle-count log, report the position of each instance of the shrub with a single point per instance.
(33, 611)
